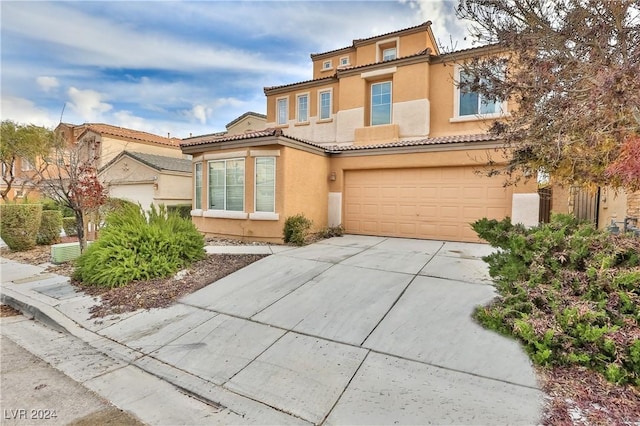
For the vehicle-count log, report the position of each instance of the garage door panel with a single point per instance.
(434, 203)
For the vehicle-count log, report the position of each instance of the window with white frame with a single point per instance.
(326, 65)
(226, 185)
(344, 61)
(389, 54)
(197, 191)
(302, 108)
(472, 103)
(381, 103)
(324, 100)
(265, 184)
(26, 165)
(282, 110)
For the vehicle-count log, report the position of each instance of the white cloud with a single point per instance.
(450, 32)
(84, 43)
(88, 104)
(24, 111)
(200, 113)
(47, 83)
(130, 121)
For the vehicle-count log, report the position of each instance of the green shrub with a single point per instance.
(50, 226)
(19, 224)
(69, 226)
(296, 229)
(49, 204)
(183, 210)
(138, 246)
(569, 292)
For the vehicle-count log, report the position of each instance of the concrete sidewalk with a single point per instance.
(350, 330)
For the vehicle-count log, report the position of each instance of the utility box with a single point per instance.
(65, 252)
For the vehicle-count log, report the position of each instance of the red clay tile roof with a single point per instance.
(339, 148)
(482, 137)
(107, 129)
(333, 76)
(360, 40)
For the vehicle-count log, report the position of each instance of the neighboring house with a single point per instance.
(148, 179)
(381, 140)
(246, 123)
(128, 161)
(112, 140)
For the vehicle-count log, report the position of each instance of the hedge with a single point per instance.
(19, 225)
(69, 226)
(50, 226)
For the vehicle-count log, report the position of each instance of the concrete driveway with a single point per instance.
(350, 330)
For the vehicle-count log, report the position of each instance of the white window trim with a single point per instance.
(230, 214)
(327, 68)
(346, 64)
(395, 40)
(195, 200)
(196, 212)
(264, 216)
(286, 107)
(320, 92)
(298, 96)
(225, 214)
(255, 191)
(379, 73)
(371, 104)
(457, 118)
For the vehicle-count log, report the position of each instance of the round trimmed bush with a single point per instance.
(19, 225)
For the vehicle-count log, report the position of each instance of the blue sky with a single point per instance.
(180, 67)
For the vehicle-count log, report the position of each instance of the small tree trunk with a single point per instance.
(80, 228)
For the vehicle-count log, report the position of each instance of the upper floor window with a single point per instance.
(344, 61)
(471, 103)
(302, 109)
(226, 185)
(326, 65)
(325, 105)
(387, 50)
(389, 54)
(197, 192)
(282, 111)
(381, 103)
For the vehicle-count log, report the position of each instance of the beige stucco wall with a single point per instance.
(168, 187)
(249, 123)
(111, 147)
(301, 187)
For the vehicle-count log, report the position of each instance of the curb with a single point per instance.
(237, 408)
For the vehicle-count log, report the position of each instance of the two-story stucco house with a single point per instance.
(380, 140)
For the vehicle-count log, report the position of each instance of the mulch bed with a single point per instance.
(163, 292)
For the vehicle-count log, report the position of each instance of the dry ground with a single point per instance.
(575, 396)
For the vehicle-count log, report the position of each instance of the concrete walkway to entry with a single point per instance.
(349, 330)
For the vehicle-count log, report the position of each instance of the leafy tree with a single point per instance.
(573, 69)
(70, 179)
(27, 142)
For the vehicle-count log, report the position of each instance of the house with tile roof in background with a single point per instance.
(135, 165)
(381, 141)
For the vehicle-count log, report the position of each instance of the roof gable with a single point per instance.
(157, 162)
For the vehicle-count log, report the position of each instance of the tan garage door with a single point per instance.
(432, 203)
